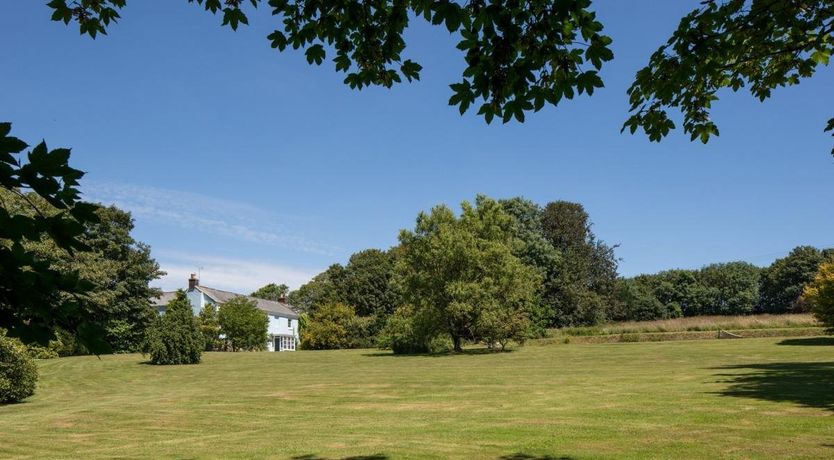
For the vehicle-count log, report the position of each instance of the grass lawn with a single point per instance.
(750, 398)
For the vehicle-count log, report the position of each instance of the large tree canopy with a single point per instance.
(35, 298)
(521, 55)
(758, 44)
(462, 273)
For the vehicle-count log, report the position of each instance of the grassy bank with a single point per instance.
(696, 323)
(756, 398)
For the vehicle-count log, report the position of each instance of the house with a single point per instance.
(282, 332)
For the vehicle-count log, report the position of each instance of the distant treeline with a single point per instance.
(734, 288)
(574, 275)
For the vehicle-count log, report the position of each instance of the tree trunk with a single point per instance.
(457, 341)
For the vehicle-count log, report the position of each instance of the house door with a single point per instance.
(277, 344)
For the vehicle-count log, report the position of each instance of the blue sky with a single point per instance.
(257, 167)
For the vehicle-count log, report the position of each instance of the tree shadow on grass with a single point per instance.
(810, 341)
(524, 456)
(355, 457)
(465, 352)
(808, 384)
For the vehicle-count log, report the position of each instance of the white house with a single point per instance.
(282, 332)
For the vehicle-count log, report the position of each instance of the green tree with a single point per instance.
(729, 44)
(520, 56)
(734, 287)
(210, 327)
(174, 337)
(243, 324)
(330, 326)
(582, 284)
(535, 251)
(272, 291)
(783, 281)
(121, 270)
(367, 283)
(819, 294)
(636, 302)
(324, 288)
(117, 268)
(36, 299)
(454, 269)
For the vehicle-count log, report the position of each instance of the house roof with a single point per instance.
(269, 306)
(163, 299)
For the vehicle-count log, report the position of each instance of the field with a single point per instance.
(750, 398)
(698, 324)
(692, 328)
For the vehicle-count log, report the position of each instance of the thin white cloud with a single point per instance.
(204, 213)
(236, 275)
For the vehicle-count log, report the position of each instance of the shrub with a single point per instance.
(500, 326)
(175, 337)
(18, 373)
(331, 326)
(441, 344)
(38, 352)
(819, 294)
(401, 333)
(66, 344)
(244, 325)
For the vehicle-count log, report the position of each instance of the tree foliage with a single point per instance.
(18, 372)
(330, 326)
(718, 289)
(733, 288)
(635, 301)
(117, 268)
(819, 294)
(175, 337)
(755, 44)
(581, 284)
(462, 271)
(244, 325)
(272, 291)
(521, 56)
(367, 283)
(325, 288)
(784, 280)
(210, 327)
(518, 56)
(35, 298)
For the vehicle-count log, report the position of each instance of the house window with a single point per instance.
(286, 343)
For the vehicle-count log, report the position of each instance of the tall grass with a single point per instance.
(695, 323)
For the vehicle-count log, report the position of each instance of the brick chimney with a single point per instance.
(283, 298)
(193, 281)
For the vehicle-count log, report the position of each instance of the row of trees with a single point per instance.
(734, 288)
(504, 270)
